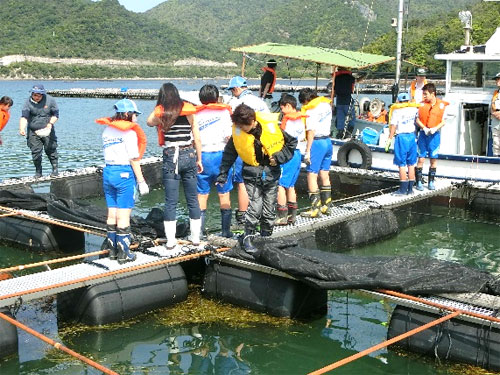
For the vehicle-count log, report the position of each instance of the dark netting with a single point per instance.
(409, 274)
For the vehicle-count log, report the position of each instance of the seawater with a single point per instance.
(154, 344)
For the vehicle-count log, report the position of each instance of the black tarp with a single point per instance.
(408, 274)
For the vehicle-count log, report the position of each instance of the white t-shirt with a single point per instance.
(404, 119)
(119, 146)
(320, 119)
(418, 93)
(297, 130)
(254, 102)
(215, 127)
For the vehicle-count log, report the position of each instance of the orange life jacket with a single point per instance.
(124, 125)
(382, 118)
(432, 115)
(267, 69)
(292, 116)
(4, 118)
(413, 88)
(493, 100)
(187, 109)
(214, 106)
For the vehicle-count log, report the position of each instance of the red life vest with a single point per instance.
(273, 72)
(432, 115)
(4, 118)
(187, 109)
(292, 116)
(214, 106)
(124, 125)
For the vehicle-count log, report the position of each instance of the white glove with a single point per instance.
(432, 130)
(427, 130)
(307, 158)
(143, 188)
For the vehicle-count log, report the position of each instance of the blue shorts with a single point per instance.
(119, 186)
(238, 171)
(290, 171)
(321, 155)
(428, 145)
(211, 163)
(405, 150)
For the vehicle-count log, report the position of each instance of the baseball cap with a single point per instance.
(403, 97)
(497, 76)
(38, 89)
(126, 105)
(237, 81)
(421, 72)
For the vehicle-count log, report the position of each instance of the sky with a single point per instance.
(140, 5)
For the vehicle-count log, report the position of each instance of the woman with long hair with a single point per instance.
(179, 136)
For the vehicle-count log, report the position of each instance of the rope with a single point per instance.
(58, 345)
(367, 24)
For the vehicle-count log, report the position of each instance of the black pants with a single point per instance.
(38, 144)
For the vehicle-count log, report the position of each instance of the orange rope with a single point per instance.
(52, 261)
(384, 344)
(9, 214)
(58, 345)
(117, 272)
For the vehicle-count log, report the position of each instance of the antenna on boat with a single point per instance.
(466, 19)
(399, 25)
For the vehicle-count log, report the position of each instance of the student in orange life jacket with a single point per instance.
(263, 147)
(430, 120)
(124, 143)
(179, 136)
(214, 122)
(415, 90)
(495, 117)
(318, 155)
(293, 123)
(268, 81)
(5, 104)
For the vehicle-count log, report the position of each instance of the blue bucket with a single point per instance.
(369, 136)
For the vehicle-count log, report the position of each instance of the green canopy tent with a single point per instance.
(318, 55)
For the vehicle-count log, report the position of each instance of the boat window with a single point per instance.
(473, 75)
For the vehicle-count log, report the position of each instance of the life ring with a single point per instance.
(361, 148)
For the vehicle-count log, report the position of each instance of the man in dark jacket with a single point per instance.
(39, 114)
(263, 147)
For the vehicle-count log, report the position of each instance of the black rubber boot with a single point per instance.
(123, 245)
(410, 187)
(203, 228)
(247, 241)
(266, 233)
(281, 215)
(326, 199)
(240, 217)
(314, 211)
(55, 170)
(403, 188)
(38, 168)
(110, 242)
(225, 216)
(419, 179)
(292, 212)
(432, 175)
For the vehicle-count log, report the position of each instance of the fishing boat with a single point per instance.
(466, 146)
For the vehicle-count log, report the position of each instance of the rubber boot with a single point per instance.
(195, 226)
(203, 226)
(314, 211)
(266, 233)
(225, 217)
(38, 168)
(292, 212)
(55, 170)
(240, 217)
(326, 199)
(403, 188)
(432, 174)
(410, 187)
(123, 245)
(110, 243)
(170, 229)
(418, 178)
(247, 241)
(281, 215)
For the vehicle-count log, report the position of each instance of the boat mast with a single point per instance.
(399, 45)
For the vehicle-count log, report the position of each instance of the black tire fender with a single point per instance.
(346, 148)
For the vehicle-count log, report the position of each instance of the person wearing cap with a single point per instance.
(38, 116)
(402, 128)
(242, 95)
(415, 89)
(344, 108)
(124, 143)
(430, 120)
(268, 81)
(495, 117)
(5, 104)
(179, 136)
